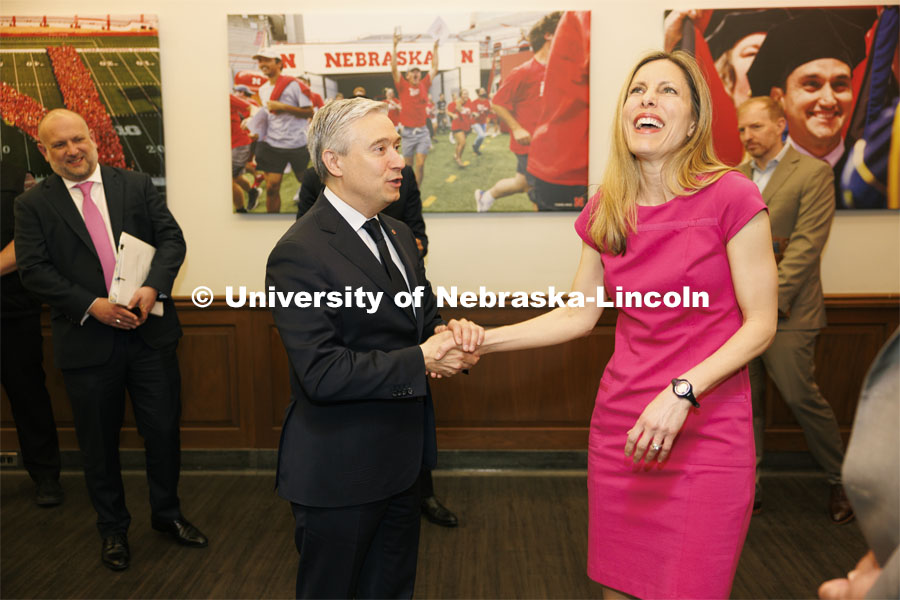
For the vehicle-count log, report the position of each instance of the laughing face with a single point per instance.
(657, 116)
(817, 101)
(68, 145)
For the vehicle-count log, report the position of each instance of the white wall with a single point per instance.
(501, 252)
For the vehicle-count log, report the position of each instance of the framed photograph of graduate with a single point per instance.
(492, 108)
(104, 67)
(832, 71)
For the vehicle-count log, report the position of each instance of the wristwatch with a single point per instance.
(683, 389)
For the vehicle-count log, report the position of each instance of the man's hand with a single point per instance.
(443, 358)
(857, 583)
(522, 136)
(144, 298)
(672, 27)
(274, 106)
(113, 315)
(396, 39)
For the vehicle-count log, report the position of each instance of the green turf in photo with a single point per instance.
(450, 188)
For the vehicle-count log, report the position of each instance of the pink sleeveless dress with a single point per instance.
(675, 530)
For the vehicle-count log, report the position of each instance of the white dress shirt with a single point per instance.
(761, 177)
(99, 198)
(356, 220)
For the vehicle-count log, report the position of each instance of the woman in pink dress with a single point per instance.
(670, 457)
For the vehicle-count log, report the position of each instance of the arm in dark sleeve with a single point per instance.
(39, 274)
(328, 370)
(412, 207)
(168, 239)
(310, 188)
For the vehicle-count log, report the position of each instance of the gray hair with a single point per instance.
(330, 128)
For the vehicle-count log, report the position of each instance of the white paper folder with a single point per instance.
(132, 268)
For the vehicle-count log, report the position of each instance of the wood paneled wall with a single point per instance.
(235, 382)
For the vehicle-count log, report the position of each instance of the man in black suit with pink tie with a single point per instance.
(67, 230)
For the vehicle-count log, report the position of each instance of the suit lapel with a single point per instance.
(783, 172)
(114, 190)
(348, 243)
(61, 200)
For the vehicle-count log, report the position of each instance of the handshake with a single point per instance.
(453, 348)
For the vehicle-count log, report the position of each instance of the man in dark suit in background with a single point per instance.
(799, 191)
(67, 229)
(21, 355)
(360, 424)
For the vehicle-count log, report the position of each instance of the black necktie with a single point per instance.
(373, 228)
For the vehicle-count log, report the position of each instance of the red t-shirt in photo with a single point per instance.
(413, 101)
(463, 120)
(393, 110)
(520, 94)
(481, 108)
(559, 144)
(240, 110)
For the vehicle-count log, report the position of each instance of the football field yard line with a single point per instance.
(37, 80)
(138, 82)
(118, 84)
(152, 74)
(124, 138)
(24, 135)
(144, 130)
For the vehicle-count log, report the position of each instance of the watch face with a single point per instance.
(682, 388)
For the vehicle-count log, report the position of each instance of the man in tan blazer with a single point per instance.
(799, 191)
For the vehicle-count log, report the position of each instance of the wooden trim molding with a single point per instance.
(236, 382)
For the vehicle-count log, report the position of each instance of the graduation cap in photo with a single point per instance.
(808, 36)
(736, 25)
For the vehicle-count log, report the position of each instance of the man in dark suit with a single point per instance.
(408, 209)
(66, 231)
(21, 355)
(360, 424)
(799, 191)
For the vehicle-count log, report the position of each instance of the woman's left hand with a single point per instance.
(657, 427)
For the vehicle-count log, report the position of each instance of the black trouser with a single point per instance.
(551, 196)
(427, 482)
(153, 381)
(22, 375)
(362, 551)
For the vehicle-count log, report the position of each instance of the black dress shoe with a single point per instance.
(183, 532)
(435, 512)
(48, 492)
(115, 553)
(839, 506)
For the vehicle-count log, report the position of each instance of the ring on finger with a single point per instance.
(118, 322)
(656, 447)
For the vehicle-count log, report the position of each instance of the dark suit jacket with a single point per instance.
(800, 197)
(408, 208)
(58, 263)
(360, 423)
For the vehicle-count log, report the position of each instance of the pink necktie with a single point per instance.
(97, 230)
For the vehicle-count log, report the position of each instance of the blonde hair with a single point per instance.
(691, 168)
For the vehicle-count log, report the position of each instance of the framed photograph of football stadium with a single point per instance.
(491, 108)
(104, 67)
(829, 73)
